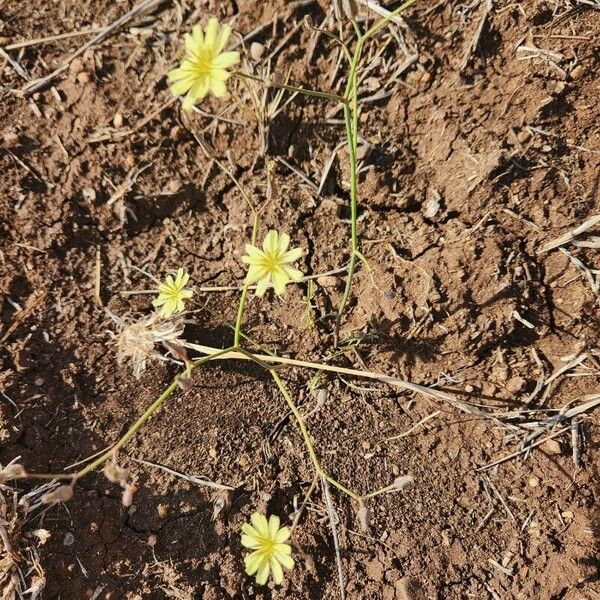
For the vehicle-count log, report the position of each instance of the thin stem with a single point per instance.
(308, 440)
(385, 20)
(291, 88)
(351, 121)
(141, 421)
(242, 305)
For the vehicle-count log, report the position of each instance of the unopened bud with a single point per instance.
(62, 493)
(128, 493)
(14, 471)
(114, 473)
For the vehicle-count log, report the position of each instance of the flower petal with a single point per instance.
(279, 280)
(261, 287)
(255, 273)
(271, 241)
(292, 274)
(263, 573)
(282, 535)
(249, 541)
(260, 524)
(286, 560)
(225, 60)
(181, 87)
(253, 562)
(197, 35)
(222, 39)
(210, 32)
(284, 242)
(292, 255)
(217, 87)
(274, 523)
(276, 570)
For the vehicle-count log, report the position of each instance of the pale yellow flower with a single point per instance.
(271, 265)
(204, 67)
(172, 293)
(271, 553)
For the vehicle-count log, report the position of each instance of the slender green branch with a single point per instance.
(242, 305)
(308, 440)
(291, 88)
(141, 421)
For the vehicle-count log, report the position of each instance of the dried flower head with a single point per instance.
(137, 341)
(271, 553)
(272, 263)
(172, 293)
(204, 67)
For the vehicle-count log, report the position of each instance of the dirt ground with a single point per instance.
(480, 144)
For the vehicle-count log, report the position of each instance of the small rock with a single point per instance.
(69, 539)
(76, 66)
(577, 72)
(257, 50)
(11, 138)
(551, 447)
(163, 511)
(88, 193)
(533, 481)
(327, 281)
(524, 136)
(515, 384)
(409, 589)
(567, 514)
(84, 78)
(118, 120)
(375, 570)
(469, 388)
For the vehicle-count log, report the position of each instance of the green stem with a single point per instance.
(308, 440)
(242, 305)
(351, 121)
(291, 88)
(141, 421)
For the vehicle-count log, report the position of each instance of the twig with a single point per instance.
(475, 41)
(146, 5)
(394, 381)
(570, 235)
(332, 519)
(53, 38)
(191, 478)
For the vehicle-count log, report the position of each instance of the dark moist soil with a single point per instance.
(457, 198)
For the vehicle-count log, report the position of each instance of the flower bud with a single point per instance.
(62, 493)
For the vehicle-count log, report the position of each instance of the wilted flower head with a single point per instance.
(271, 553)
(137, 341)
(204, 67)
(172, 293)
(272, 263)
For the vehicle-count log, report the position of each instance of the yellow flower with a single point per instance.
(272, 263)
(204, 67)
(172, 293)
(270, 550)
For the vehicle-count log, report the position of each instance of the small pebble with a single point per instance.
(11, 138)
(533, 481)
(88, 193)
(118, 120)
(327, 281)
(551, 447)
(577, 72)
(257, 51)
(84, 78)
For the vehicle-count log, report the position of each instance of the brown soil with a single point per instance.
(439, 308)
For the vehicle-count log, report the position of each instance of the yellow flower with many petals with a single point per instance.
(172, 293)
(271, 553)
(204, 67)
(271, 265)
